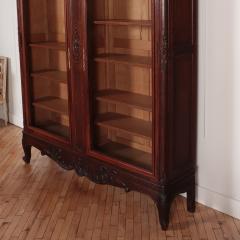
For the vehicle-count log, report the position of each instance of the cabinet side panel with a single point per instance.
(182, 86)
(182, 21)
(182, 73)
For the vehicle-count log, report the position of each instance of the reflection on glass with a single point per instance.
(122, 67)
(48, 66)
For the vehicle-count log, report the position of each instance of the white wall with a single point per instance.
(219, 106)
(9, 48)
(219, 97)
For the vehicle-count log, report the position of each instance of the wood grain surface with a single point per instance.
(42, 201)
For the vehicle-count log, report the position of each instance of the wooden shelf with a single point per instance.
(125, 123)
(123, 22)
(49, 45)
(53, 104)
(58, 76)
(127, 154)
(55, 128)
(139, 101)
(140, 61)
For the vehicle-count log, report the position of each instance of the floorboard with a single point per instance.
(42, 201)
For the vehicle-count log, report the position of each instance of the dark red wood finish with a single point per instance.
(175, 106)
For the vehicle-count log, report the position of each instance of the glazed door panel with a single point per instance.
(120, 59)
(45, 48)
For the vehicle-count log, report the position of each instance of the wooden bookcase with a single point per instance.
(109, 90)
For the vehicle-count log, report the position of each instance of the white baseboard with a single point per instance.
(218, 201)
(16, 120)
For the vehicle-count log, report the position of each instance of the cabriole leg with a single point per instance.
(163, 205)
(27, 152)
(191, 205)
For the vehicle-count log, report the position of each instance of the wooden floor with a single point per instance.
(42, 201)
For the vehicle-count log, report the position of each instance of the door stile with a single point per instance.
(78, 70)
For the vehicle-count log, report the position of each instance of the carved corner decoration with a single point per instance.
(100, 174)
(56, 155)
(81, 168)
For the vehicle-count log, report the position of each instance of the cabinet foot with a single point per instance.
(163, 205)
(191, 205)
(27, 153)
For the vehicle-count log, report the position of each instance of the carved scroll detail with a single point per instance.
(100, 175)
(56, 155)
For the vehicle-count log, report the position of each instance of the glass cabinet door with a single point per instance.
(48, 66)
(121, 76)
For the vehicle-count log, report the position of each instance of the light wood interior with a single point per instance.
(47, 20)
(122, 65)
(49, 65)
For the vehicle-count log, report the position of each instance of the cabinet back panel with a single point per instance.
(51, 122)
(42, 88)
(133, 79)
(45, 117)
(134, 40)
(38, 21)
(47, 20)
(58, 60)
(45, 59)
(122, 9)
(40, 59)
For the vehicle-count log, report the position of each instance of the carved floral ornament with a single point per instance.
(101, 174)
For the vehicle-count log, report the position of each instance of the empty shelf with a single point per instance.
(125, 123)
(124, 22)
(140, 61)
(55, 128)
(49, 45)
(135, 100)
(127, 154)
(53, 104)
(51, 75)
